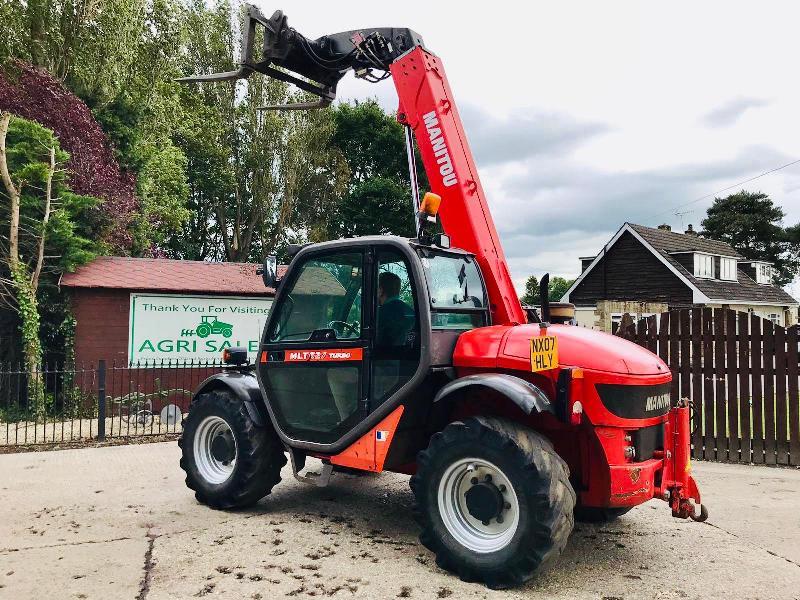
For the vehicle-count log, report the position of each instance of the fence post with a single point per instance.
(101, 400)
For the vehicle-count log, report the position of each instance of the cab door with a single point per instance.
(315, 351)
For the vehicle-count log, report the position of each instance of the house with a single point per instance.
(644, 271)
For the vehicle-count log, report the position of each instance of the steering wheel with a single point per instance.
(353, 327)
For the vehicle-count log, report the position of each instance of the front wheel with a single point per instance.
(228, 460)
(494, 501)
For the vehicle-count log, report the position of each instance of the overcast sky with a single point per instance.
(584, 115)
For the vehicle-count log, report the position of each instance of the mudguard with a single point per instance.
(527, 396)
(243, 384)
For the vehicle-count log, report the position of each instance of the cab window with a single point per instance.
(396, 349)
(325, 295)
(458, 298)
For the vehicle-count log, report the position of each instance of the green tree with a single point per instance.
(258, 180)
(129, 81)
(378, 197)
(91, 46)
(557, 288)
(753, 225)
(41, 217)
(531, 297)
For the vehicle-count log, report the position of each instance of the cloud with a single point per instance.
(731, 111)
(521, 134)
(562, 194)
(553, 211)
(556, 253)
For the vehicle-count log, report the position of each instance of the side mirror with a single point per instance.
(269, 271)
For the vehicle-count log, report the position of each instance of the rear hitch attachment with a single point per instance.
(685, 508)
(680, 488)
(699, 518)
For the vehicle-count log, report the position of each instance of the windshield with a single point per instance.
(453, 282)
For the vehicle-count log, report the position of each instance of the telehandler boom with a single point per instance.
(415, 356)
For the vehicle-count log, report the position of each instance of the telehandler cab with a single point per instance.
(415, 356)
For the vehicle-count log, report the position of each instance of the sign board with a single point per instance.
(185, 328)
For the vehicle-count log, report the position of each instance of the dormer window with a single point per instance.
(704, 266)
(727, 269)
(763, 273)
(760, 271)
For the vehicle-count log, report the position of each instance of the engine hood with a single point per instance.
(509, 347)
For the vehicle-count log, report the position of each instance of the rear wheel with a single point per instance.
(228, 460)
(494, 501)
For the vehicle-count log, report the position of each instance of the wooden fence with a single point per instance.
(741, 374)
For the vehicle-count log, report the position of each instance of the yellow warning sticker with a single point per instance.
(544, 353)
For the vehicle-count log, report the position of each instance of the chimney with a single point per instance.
(690, 230)
(665, 227)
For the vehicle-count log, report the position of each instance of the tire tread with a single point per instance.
(546, 479)
(259, 459)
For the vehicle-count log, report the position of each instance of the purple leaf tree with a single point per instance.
(34, 94)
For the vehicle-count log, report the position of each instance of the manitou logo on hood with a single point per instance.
(440, 149)
(657, 402)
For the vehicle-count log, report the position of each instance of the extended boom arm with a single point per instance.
(285, 53)
(426, 106)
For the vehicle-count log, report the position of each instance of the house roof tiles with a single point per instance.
(166, 275)
(746, 290)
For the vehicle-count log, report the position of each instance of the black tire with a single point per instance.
(540, 479)
(259, 454)
(594, 514)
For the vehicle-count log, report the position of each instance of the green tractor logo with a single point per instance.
(209, 325)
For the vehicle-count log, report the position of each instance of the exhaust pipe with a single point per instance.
(544, 294)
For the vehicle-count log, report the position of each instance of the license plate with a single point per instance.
(544, 353)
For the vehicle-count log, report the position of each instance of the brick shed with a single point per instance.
(104, 291)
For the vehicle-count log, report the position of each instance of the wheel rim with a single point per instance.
(211, 464)
(466, 497)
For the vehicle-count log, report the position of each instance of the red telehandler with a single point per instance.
(415, 356)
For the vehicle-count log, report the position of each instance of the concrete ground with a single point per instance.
(117, 522)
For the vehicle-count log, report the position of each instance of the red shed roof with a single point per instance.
(166, 275)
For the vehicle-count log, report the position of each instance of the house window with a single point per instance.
(775, 318)
(763, 273)
(704, 265)
(727, 269)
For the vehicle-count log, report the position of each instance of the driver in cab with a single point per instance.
(395, 317)
(395, 320)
